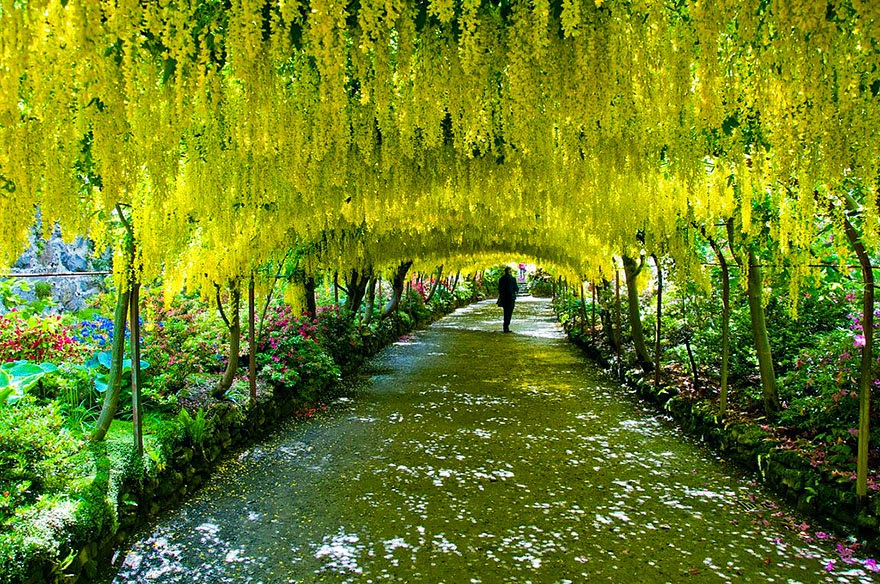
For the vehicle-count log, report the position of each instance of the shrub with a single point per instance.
(289, 356)
(337, 332)
(541, 284)
(37, 338)
(179, 340)
(34, 447)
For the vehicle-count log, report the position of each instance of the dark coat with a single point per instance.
(507, 290)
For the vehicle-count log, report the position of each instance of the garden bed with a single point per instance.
(823, 493)
(71, 532)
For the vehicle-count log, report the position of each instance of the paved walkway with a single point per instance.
(474, 456)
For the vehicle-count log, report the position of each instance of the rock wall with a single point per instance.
(52, 255)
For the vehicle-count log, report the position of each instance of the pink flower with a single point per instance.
(871, 564)
(830, 566)
(859, 341)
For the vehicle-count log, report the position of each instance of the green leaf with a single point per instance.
(101, 382)
(105, 358)
(126, 365)
(24, 369)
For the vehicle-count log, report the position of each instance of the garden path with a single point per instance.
(469, 455)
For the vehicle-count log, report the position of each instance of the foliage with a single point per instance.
(37, 339)
(541, 283)
(821, 389)
(11, 300)
(96, 332)
(34, 447)
(413, 305)
(183, 338)
(18, 377)
(337, 334)
(195, 428)
(290, 358)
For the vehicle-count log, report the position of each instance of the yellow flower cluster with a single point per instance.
(389, 129)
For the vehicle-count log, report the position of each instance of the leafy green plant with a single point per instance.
(34, 452)
(18, 377)
(37, 338)
(104, 360)
(541, 284)
(196, 428)
(299, 354)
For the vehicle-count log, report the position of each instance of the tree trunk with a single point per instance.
(618, 328)
(370, 301)
(659, 322)
(762, 340)
(252, 340)
(686, 338)
(725, 325)
(593, 309)
(137, 410)
(111, 396)
(866, 374)
(234, 326)
(356, 287)
(311, 304)
(397, 289)
(434, 285)
(583, 308)
(643, 359)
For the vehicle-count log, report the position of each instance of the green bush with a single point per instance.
(180, 340)
(34, 451)
(541, 284)
(290, 357)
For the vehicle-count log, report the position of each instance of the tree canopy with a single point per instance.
(401, 129)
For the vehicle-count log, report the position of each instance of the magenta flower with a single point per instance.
(871, 564)
(830, 566)
(859, 341)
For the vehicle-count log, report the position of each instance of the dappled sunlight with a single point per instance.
(474, 456)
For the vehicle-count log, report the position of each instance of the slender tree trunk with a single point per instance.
(659, 322)
(233, 323)
(434, 285)
(762, 340)
(583, 308)
(336, 288)
(618, 332)
(725, 325)
(252, 340)
(635, 318)
(687, 341)
(397, 286)
(866, 373)
(137, 410)
(370, 301)
(311, 303)
(593, 309)
(111, 396)
(754, 291)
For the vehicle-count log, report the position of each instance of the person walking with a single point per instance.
(507, 290)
